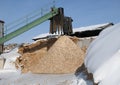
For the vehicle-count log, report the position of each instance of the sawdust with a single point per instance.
(51, 56)
(30, 54)
(84, 49)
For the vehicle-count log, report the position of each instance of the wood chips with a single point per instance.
(63, 56)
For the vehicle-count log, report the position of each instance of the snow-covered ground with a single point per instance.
(103, 57)
(12, 76)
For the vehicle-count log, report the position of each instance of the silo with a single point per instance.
(1, 34)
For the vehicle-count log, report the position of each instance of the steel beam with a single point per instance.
(29, 26)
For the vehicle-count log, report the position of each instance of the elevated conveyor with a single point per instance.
(29, 26)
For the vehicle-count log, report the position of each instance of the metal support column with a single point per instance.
(1, 35)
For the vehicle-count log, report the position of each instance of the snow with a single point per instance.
(10, 58)
(41, 35)
(15, 78)
(44, 35)
(12, 76)
(103, 57)
(92, 27)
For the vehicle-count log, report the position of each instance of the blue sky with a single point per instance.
(83, 12)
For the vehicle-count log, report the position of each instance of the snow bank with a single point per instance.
(10, 58)
(11, 77)
(103, 57)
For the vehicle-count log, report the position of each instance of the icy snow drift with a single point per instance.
(103, 57)
(10, 59)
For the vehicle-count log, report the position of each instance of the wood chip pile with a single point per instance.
(60, 55)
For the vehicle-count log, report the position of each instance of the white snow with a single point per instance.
(45, 35)
(15, 78)
(10, 58)
(103, 57)
(91, 27)
(41, 35)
